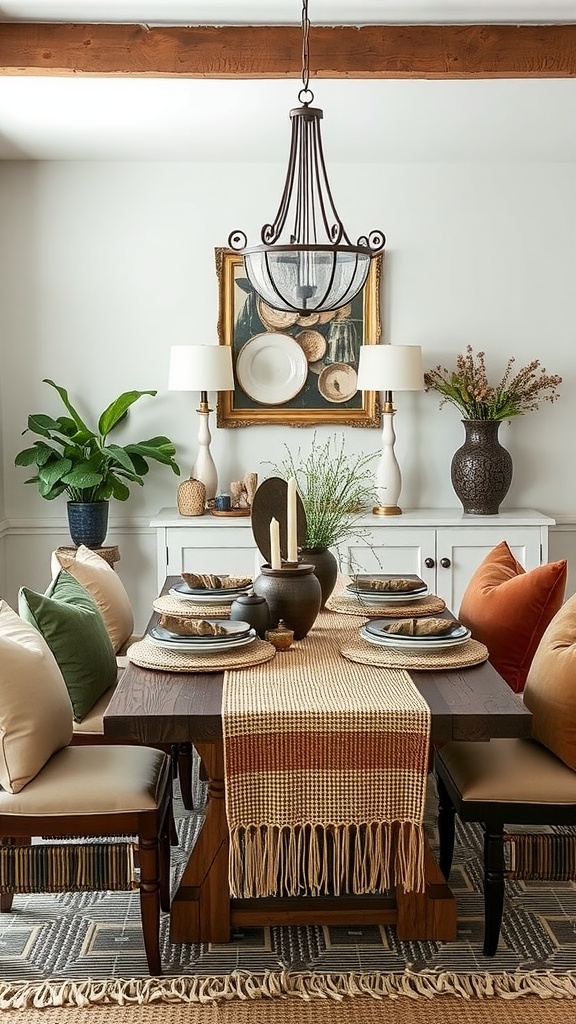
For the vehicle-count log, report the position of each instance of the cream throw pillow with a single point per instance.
(106, 588)
(550, 692)
(35, 709)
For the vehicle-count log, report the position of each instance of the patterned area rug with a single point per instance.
(97, 936)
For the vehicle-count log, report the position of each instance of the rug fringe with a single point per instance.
(282, 985)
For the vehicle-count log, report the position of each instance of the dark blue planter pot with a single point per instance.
(88, 522)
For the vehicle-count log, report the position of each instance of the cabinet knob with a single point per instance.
(429, 563)
(445, 563)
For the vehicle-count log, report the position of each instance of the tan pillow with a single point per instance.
(106, 588)
(35, 709)
(550, 692)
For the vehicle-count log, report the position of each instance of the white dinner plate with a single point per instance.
(378, 628)
(207, 597)
(271, 368)
(234, 630)
(407, 643)
(210, 647)
(372, 597)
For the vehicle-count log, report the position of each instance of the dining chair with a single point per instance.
(507, 782)
(92, 792)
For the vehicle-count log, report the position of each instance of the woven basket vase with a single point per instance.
(191, 497)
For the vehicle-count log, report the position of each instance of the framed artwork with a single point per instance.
(292, 370)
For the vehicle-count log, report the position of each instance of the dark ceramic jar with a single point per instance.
(253, 609)
(293, 594)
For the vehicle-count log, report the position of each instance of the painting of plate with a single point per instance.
(338, 382)
(275, 319)
(271, 368)
(308, 319)
(313, 345)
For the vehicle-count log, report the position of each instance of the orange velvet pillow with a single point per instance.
(508, 609)
(550, 692)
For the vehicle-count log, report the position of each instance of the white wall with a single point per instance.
(104, 266)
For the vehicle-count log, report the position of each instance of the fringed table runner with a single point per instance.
(325, 765)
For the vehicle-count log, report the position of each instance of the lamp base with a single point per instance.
(387, 510)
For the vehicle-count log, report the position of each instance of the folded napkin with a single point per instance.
(391, 586)
(208, 581)
(421, 627)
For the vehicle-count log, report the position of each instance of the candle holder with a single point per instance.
(293, 594)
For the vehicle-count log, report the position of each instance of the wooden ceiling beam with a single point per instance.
(253, 52)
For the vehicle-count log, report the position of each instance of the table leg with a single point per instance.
(200, 909)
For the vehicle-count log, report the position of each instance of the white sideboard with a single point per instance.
(443, 546)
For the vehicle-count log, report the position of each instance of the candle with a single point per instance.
(291, 527)
(275, 560)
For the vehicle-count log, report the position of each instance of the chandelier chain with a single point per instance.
(305, 47)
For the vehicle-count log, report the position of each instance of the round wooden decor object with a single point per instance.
(270, 502)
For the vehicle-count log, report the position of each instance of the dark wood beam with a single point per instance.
(371, 51)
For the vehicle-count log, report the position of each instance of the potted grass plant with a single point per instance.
(337, 489)
(74, 458)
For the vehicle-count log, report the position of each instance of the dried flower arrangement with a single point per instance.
(468, 389)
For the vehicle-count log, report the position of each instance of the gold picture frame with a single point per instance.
(321, 385)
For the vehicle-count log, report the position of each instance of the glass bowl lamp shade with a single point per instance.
(389, 368)
(202, 368)
(306, 262)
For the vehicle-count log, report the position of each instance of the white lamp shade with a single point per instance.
(390, 368)
(200, 368)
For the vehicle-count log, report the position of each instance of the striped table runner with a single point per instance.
(325, 767)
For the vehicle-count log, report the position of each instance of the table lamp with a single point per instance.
(202, 368)
(389, 368)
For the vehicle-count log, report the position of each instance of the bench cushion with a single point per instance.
(35, 709)
(550, 692)
(508, 609)
(92, 780)
(510, 771)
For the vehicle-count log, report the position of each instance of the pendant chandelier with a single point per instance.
(312, 266)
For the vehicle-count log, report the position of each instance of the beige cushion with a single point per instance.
(93, 780)
(550, 692)
(35, 709)
(520, 771)
(104, 585)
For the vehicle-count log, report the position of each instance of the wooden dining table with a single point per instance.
(160, 707)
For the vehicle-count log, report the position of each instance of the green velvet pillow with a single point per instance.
(72, 626)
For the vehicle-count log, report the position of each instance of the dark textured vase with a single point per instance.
(325, 568)
(292, 594)
(88, 522)
(481, 469)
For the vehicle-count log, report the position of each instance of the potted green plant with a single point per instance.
(337, 490)
(73, 458)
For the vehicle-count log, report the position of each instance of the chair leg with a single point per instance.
(150, 900)
(185, 774)
(6, 901)
(164, 863)
(7, 898)
(493, 886)
(446, 815)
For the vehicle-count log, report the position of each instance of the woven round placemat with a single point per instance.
(352, 606)
(175, 606)
(147, 655)
(470, 653)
